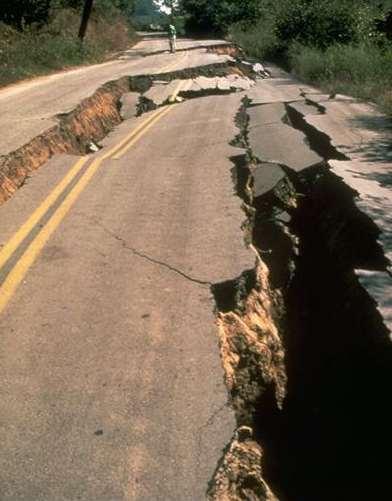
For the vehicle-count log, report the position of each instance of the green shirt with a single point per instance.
(172, 31)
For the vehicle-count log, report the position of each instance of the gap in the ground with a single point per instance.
(318, 141)
(328, 437)
(333, 429)
(220, 79)
(80, 131)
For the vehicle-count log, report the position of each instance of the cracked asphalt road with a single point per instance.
(111, 380)
(112, 385)
(30, 108)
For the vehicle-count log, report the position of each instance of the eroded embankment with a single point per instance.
(307, 358)
(88, 123)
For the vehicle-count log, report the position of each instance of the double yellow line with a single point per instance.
(20, 269)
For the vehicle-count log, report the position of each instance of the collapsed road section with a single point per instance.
(304, 342)
(305, 346)
(79, 131)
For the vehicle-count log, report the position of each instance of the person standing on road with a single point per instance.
(172, 38)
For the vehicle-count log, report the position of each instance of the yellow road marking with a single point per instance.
(134, 133)
(164, 111)
(10, 247)
(177, 90)
(19, 271)
(182, 86)
(188, 85)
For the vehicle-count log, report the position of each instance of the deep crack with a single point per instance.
(89, 123)
(307, 357)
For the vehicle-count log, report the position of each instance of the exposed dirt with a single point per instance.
(307, 358)
(251, 349)
(90, 122)
(239, 476)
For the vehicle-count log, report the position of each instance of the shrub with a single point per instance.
(260, 40)
(360, 70)
(39, 50)
(307, 62)
(333, 43)
(318, 23)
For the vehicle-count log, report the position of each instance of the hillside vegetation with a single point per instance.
(41, 36)
(341, 45)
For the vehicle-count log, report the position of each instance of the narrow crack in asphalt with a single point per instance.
(205, 426)
(153, 260)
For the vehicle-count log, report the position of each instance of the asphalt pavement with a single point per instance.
(112, 386)
(112, 383)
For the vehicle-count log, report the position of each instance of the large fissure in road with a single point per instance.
(79, 131)
(307, 358)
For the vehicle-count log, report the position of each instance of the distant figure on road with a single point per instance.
(172, 38)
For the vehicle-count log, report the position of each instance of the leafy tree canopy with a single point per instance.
(331, 17)
(19, 13)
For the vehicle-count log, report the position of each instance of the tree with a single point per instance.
(24, 12)
(218, 15)
(169, 7)
(88, 6)
(145, 8)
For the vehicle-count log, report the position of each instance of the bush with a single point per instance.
(260, 40)
(361, 70)
(307, 62)
(318, 23)
(332, 43)
(37, 51)
(315, 23)
(346, 63)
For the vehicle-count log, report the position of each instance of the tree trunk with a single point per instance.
(88, 5)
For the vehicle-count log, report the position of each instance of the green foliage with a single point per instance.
(318, 23)
(260, 40)
(348, 64)
(111, 7)
(314, 23)
(146, 8)
(218, 15)
(41, 49)
(146, 13)
(360, 70)
(336, 44)
(22, 13)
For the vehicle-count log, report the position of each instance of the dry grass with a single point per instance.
(56, 46)
(363, 71)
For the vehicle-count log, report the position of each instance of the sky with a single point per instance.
(162, 7)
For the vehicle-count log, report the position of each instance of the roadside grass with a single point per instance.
(363, 71)
(259, 41)
(39, 51)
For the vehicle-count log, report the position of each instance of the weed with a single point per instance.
(41, 50)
